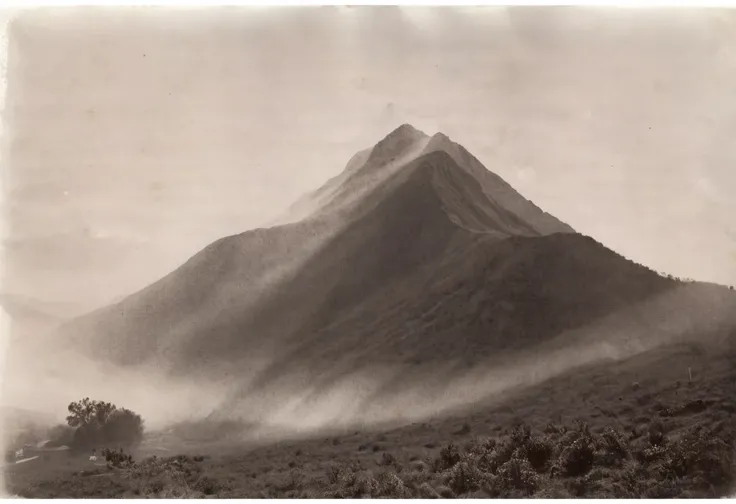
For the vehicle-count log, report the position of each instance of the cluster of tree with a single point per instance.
(98, 424)
(675, 278)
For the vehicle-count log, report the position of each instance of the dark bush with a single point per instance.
(343, 474)
(117, 458)
(650, 454)
(517, 475)
(578, 452)
(425, 491)
(207, 485)
(446, 492)
(614, 447)
(86, 437)
(390, 485)
(387, 459)
(552, 428)
(703, 457)
(333, 474)
(123, 428)
(489, 444)
(465, 477)
(520, 435)
(538, 452)
(101, 423)
(498, 456)
(580, 486)
(449, 456)
(365, 486)
(656, 434)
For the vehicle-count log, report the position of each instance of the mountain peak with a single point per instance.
(395, 153)
(397, 144)
(406, 130)
(441, 136)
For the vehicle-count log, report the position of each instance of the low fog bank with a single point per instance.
(376, 396)
(46, 384)
(366, 399)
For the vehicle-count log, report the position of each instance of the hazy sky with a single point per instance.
(139, 136)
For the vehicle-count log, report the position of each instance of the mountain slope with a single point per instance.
(496, 189)
(219, 285)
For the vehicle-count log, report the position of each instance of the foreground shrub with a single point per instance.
(117, 458)
(168, 477)
(497, 456)
(702, 456)
(390, 485)
(366, 485)
(207, 485)
(578, 452)
(425, 491)
(516, 475)
(614, 447)
(465, 477)
(99, 423)
(122, 428)
(656, 434)
(449, 456)
(539, 451)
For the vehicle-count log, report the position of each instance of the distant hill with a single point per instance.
(30, 315)
(20, 426)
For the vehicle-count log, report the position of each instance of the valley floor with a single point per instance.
(638, 428)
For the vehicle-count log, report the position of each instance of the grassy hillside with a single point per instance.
(651, 432)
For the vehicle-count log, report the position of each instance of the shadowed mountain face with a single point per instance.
(414, 258)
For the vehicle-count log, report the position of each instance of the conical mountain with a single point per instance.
(415, 257)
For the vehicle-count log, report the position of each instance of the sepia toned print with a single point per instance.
(347, 252)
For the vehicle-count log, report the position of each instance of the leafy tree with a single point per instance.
(102, 423)
(86, 412)
(123, 427)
